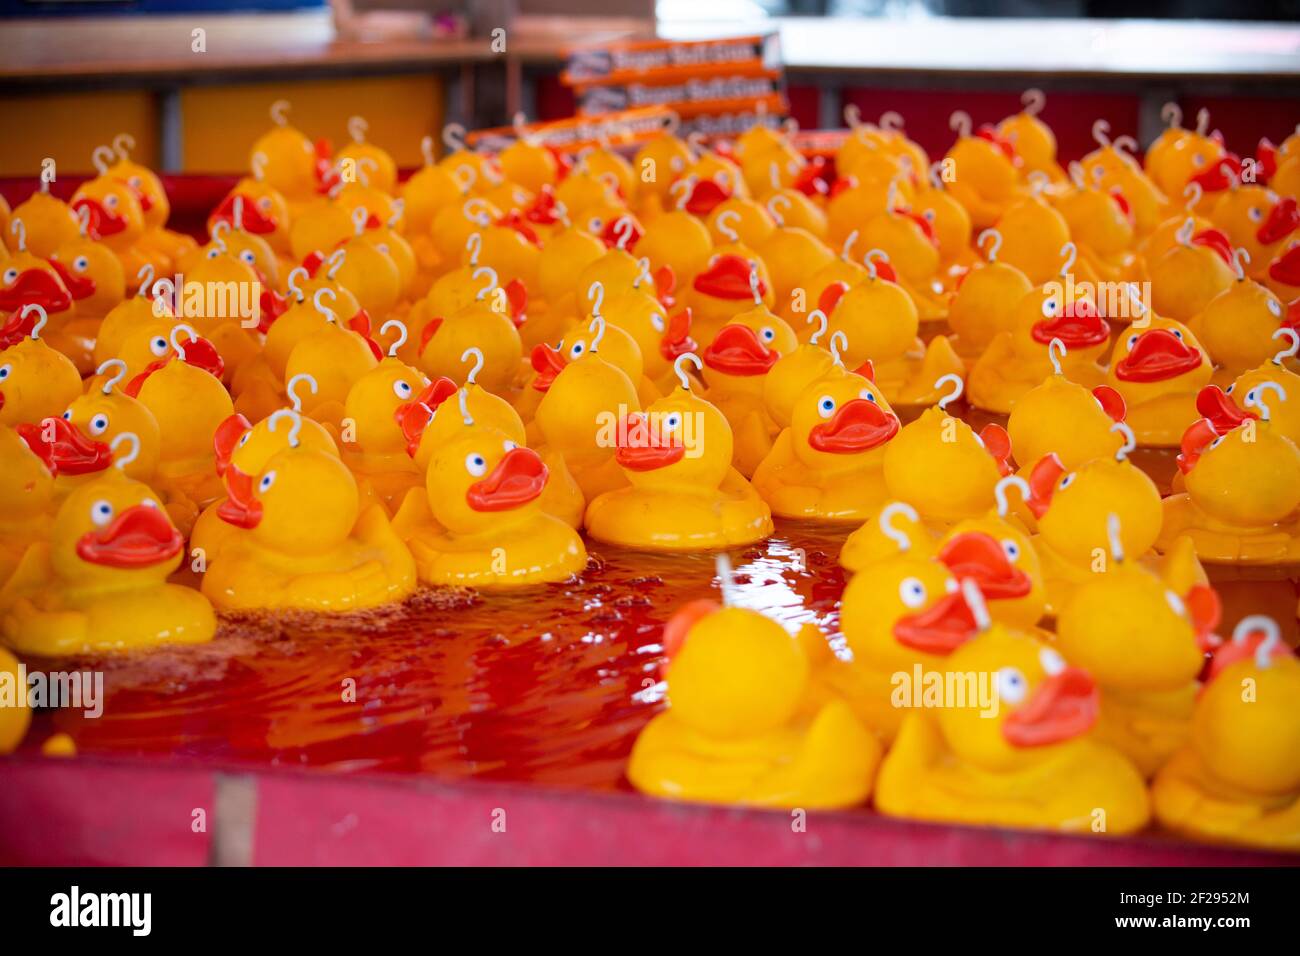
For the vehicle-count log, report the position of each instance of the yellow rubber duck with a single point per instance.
(1064, 417)
(309, 545)
(1101, 227)
(1114, 169)
(483, 490)
(792, 373)
(988, 182)
(909, 244)
(1032, 231)
(15, 719)
(1055, 329)
(1183, 154)
(1242, 481)
(682, 493)
(48, 221)
(147, 307)
(828, 463)
(484, 325)
(1159, 371)
(880, 321)
(723, 289)
(335, 357)
(1240, 326)
(792, 253)
(951, 225)
(157, 238)
(660, 161)
(1285, 411)
(903, 613)
(751, 738)
(1143, 637)
(1238, 779)
(1187, 277)
(996, 553)
(94, 278)
(27, 280)
(1031, 138)
(660, 337)
(289, 161)
(103, 413)
(430, 189)
(257, 207)
(1034, 764)
(979, 307)
(100, 582)
(1073, 511)
(36, 382)
(115, 218)
(1256, 219)
(736, 363)
(383, 173)
(26, 505)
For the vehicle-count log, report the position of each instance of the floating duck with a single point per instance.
(1062, 417)
(1159, 371)
(1034, 764)
(909, 244)
(334, 356)
(1032, 139)
(1285, 412)
(1073, 509)
(1144, 637)
(1102, 228)
(289, 160)
(309, 545)
(527, 162)
(792, 253)
(1032, 231)
(36, 382)
(26, 505)
(989, 179)
(1240, 325)
(1238, 778)
(792, 373)
(661, 338)
(1018, 360)
(828, 463)
(430, 189)
(723, 289)
(145, 309)
(48, 222)
(383, 171)
(996, 553)
(751, 738)
(978, 310)
(157, 239)
(950, 223)
(93, 277)
(663, 159)
(484, 325)
(1113, 169)
(1256, 219)
(1183, 154)
(27, 280)
(103, 413)
(938, 444)
(257, 207)
(100, 582)
(905, 614)
(116, 218)
(881, 322)
(483, 490)
(1242, 480)
(1188, 276)
(735, 364)
(682, 493)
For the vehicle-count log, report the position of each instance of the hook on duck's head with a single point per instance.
(679, 367)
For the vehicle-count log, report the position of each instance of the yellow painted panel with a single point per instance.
(220, 123)
(68, 127)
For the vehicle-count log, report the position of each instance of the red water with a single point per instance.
(551, 686)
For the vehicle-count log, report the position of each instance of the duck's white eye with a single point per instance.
(1010, 549)
(1275, 307)
(867, 394)
(1198, 160)
(110, 201)
(1176, 604)
(767, 333)
(382, 247)
(911, 592)
(508, 445)
(4, 371)
(101, 513)
(1011, 685)
(1255, 213)
(1229, 389)
(402, 389)
(99, 424)
(476, 464)
(1252, 396)
(657, 321)
(158, 346)
(1049, 308)
(67, 415)
(81, 263)
(243, 439)
(135, 181)
(1052, 662)
(929, 215)
(673, 421)
(213, 253)
(1132, 341)
(825, 406)
(1178, 334)
(1066, 482)
(596, 224)
(264, 203)
(267, 481)
(576, 350)
(248, 257)
(11, 276)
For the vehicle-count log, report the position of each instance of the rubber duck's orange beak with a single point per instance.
(1157, 356)
(1218, 406)
(413, 417)
(643, 448)
(252, 218)
(611, 235)
(79, 287)
(1230, 652)
(737, 351)
(1064, 706)
(543, 210)
(1266, 156)
(815, 178)
(101, 223)
(1111, 402)
(926, 227)
(1206, 610)
(1216, 241)
(520, 223)
(226, 439)
(1122, 202)
(17, 328)
(517, 297)
(68, 451)
(831, 295)
(680, 624)
(706, 194)
(978, 556)
(36, 287)
(1283, 219)
(360, 324)
(1003, 144)
(241, 507)
(547, 362)
(1286, 268)
(1220, 176)
(1196, 439)
(137, 538)
(856, 426)
(270, 306)
(677, 339)
(1079, 327)
(517, 479)
(665, 285)
(429, 331)
(727, 277)
(1042, 482)
(941, 628)
(997, 443)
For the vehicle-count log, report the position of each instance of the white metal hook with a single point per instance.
(776, 201)
(476, 354)
(818, 316)
(112, 380)
(357, 127)
(1292, 336)
(1240, 259)
(1130, 440)
(869, 260)
(1071, 252)
(723, 224)
(754, 282)
(596, 296)
(852, 116)
(1184, 234)
(462, 397)
(1255, 398)
(295, 427)
(126, 459)
(1056, 351)
(849, 241)
(1100, 133)
(476, 211)
(997, 243)
(624, 228)
(1253, 623)
(679, 366)
(453, 137)
(491, 274)
(474, 246)
(318, 301)
(643, 272)
(1113, 536)
(291, 389)
(886, 522)
(42, 318)
(1000, 492)
(1033, 100)
(956, 380)
(402, 335)
(102, 156)
(960, 123)
(123, 143)
(836, 351)
(335, 263)
(219, 231)
(1202, 121)
(891, 121)
(1172, 115)
(176, 345)
(1192, 192)
(280, 112)
(597, 327)
(19, 228)
(292, 282)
